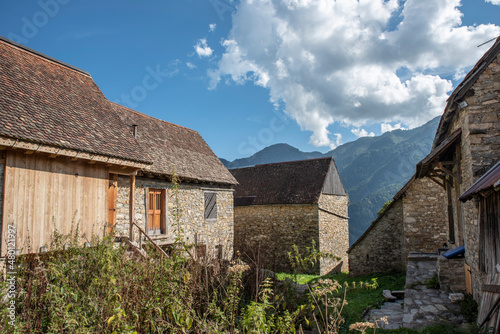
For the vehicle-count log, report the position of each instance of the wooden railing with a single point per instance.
(149, 238)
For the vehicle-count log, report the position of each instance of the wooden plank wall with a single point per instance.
(43, 193)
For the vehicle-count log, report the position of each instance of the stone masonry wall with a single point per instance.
(480, 150)
(424, 217)
(381, 250)
(271, 230)
(191, 200)
(333, 233)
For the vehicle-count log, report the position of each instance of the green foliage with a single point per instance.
(433, 283)
(382, 209)
(469, 308)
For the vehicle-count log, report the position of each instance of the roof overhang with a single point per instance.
(434, 160)
(54, 151)
(485, 185)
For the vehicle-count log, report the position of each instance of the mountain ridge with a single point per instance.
(372, 169)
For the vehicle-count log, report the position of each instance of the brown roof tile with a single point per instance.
(46, 101)
(173, 147)
(295, 182)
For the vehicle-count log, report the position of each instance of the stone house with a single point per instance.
(279, 205)
(413, 222)
(466, 146)
(69, 158)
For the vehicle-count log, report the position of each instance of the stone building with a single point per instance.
(415, 221)
(466, 146)
(292, 203)
(203, 199)
(71, 158)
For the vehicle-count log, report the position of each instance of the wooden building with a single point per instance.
(68, 157)
(279, 205)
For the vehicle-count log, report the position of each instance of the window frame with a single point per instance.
(163, 212)
(211, 214)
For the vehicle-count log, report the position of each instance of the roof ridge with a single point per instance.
(149, 116)
(42, 55)
(292, 161)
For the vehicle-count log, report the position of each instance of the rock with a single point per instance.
(456, 297)
(388, 296)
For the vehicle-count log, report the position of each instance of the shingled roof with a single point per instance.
(295, 182)
(173, 147)
(48, 102)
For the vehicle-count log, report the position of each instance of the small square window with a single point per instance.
(210, 205)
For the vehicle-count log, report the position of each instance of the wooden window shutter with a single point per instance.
(210, 205)
(156, 211)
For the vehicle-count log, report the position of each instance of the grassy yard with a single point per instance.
(360, 298)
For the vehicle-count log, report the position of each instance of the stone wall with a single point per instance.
(424, 217)
(480, 150)
(192, 226)
(333, 232)
(451, 274)
(268, 232)
(382, 248)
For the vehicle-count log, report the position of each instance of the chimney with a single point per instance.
(134, 127)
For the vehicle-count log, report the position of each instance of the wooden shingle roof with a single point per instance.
(295, 182)
(175, 148)
(46, 101)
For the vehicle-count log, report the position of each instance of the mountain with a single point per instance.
(274, 153)
(372, 169)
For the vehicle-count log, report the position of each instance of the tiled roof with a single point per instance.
(295, 182)
(175, 148)
(489, 180)
(45, 101)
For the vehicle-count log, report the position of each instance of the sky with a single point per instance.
(247, 74)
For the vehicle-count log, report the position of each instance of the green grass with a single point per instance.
(358, 298)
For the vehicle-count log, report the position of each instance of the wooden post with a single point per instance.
(131, 207)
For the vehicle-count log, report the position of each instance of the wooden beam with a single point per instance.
(123, 170)
(440, 166)
(437, 181)
(74, 159)
(53, 156)
(131, 210)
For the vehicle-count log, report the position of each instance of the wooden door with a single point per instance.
(155, 211)
(112, 197)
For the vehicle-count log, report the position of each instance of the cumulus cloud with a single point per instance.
(202, 49)
(495, 2)
(386, 127)
(212, 26)
(342, 62)
(358, 132)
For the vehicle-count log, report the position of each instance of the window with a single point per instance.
(210, 205)
(157, 217)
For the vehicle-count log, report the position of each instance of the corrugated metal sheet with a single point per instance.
(489, 180)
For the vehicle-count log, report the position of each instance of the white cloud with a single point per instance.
(338, 61)
(336, 142)
(212, 26)
(190, 65)
(495, 2)
(202, 49)
(359, 132)
(386, 127)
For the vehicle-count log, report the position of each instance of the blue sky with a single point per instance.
(251, 73)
